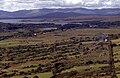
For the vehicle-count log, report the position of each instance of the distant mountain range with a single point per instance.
(58, 13)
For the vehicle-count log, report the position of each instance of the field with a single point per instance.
(91, 51)
(52, 37)
(77, 19)
(20, 60)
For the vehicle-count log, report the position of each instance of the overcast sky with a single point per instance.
(14, 5)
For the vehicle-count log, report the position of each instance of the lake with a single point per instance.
(20, 21)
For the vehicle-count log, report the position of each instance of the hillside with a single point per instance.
(58, 13)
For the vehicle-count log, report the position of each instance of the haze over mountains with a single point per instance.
(58, 13)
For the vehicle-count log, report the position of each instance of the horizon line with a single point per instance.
(61, 8)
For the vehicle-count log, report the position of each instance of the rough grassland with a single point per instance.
(51, 37)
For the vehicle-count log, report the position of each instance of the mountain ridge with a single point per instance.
(58, 13)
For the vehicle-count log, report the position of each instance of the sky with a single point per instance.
(14, 5)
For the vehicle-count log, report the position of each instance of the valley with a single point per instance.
(79, 48)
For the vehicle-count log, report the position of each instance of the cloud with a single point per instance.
(14, 5)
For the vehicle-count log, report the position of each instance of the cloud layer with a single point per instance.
(14, 5)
